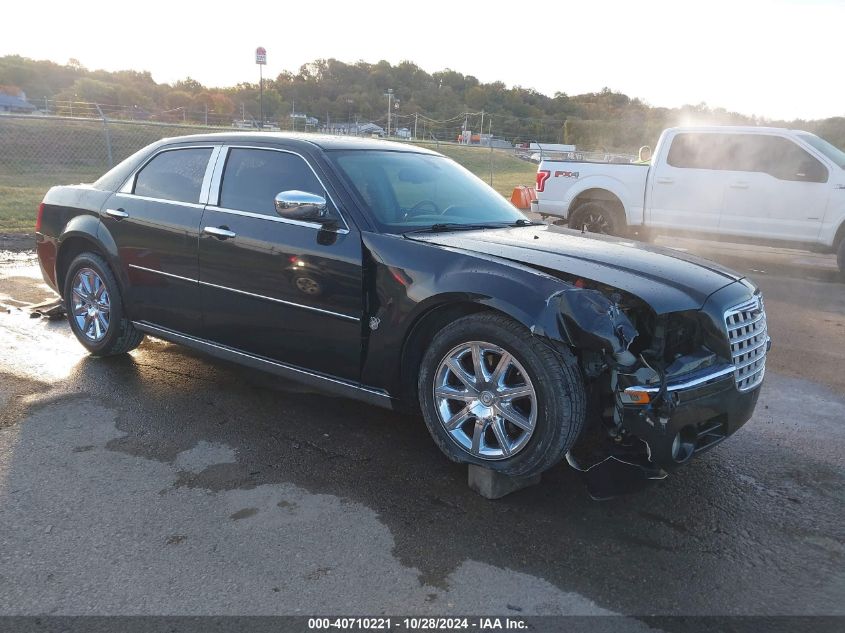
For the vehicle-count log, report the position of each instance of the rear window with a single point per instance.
(174, 175)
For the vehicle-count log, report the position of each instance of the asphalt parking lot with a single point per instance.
(165, 482)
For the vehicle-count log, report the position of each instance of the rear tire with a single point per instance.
(596, 217)
(94, 308)
(530, 398)
(840, 259)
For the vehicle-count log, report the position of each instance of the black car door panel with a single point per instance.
(281, 289)
(154, 221)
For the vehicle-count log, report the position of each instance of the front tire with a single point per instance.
(95, 308)
(494, 395)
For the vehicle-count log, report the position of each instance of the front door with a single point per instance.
(276, 288)
(154, 221)
(781, 192)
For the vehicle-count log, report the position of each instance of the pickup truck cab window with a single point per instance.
(406, 191)
(253, 177)
(833, 153)
(702, 151)
(779, 157)
(174, 175)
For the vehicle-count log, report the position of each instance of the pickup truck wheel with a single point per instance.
(494, 395)
(95, 308)
(596, 218)
(840, 259)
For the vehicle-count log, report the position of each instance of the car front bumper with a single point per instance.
(696, 412)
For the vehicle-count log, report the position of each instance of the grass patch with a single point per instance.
(36, 154)
(18, 207)
(508, 171)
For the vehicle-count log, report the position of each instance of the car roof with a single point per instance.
(744, 129)
(323, 141)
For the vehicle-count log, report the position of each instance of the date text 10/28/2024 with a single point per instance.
(417, 624)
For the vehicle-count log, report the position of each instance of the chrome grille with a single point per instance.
(749, 341)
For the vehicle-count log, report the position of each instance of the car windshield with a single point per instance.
(407, 191)
(831, 151)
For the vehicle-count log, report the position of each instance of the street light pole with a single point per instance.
(389, 95)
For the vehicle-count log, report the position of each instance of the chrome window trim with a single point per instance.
(194, 205)
(217, 181)
(129, 184)
(152, 329)
(292, 304)
(209, 171)
(262, 216)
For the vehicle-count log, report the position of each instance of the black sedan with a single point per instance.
(389, 273)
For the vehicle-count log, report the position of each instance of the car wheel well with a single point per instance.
(420, 335)
(840, 236)
(69, 249)
(606, 198)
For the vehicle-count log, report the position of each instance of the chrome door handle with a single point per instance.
(220, 232)
(117, 214)
(665, 180)
(739, 185)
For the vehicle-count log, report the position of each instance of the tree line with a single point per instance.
(439, 103)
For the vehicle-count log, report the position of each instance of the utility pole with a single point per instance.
(416, 119)
(481, 131)
(206, 115)
(389, 95)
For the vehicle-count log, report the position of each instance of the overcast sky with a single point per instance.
(773, 58)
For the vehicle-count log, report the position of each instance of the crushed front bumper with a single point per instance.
(696, 412)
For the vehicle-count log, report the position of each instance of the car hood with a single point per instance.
(668, 280)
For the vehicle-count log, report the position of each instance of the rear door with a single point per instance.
(779, 191)
(688, 183)
(281, 289)
(154, 220)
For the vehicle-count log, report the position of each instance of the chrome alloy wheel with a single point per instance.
(485, 400)
(91, 304)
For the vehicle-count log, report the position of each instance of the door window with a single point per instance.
(702, 151)
(779, 157)
(174, 175)
(774, 155)
(253, 177)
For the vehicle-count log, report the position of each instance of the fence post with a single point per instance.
(108, 136)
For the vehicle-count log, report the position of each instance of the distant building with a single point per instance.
(309, 121)
(353, 129)
(12, 103)
(403, 132)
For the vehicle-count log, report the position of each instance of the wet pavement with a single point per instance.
(165, 482)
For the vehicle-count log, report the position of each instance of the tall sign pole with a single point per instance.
(261, 60)
(389, 95)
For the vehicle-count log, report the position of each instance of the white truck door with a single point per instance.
(688, 182)
(780, 191)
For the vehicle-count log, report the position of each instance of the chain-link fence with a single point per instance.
(38, 151)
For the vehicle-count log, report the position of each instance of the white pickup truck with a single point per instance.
(760, 185)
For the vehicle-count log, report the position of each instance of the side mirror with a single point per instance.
(301, 205)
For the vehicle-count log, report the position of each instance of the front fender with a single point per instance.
(406, 280)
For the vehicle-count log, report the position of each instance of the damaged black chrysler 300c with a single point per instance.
(389, 273)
